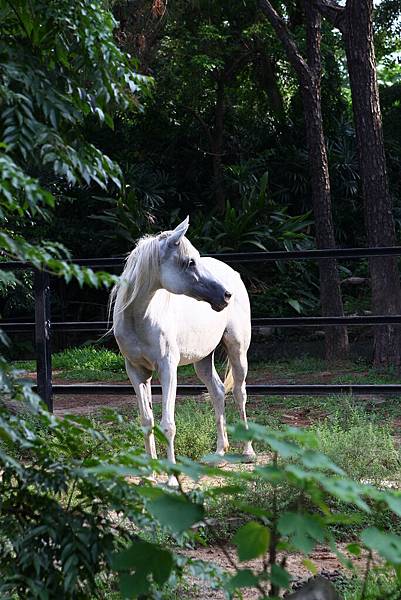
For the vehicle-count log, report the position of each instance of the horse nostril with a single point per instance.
(227, 296)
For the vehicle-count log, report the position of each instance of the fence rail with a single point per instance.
(242, 257)
(278, 322)
(43, 326)
(254, 389)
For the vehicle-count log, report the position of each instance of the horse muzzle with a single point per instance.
(219, 306)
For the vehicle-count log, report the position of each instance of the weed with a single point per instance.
(359, 444)
(381, 584)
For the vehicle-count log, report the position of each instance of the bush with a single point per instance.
(89, 358)
(196, 429)
(381, 584)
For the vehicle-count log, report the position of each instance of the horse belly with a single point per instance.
(199, 330)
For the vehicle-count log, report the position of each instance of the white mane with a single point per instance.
(141, 270)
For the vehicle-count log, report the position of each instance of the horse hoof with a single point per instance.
(219, 461)
(248, 458)
(173, 482)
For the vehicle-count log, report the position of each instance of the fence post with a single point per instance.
(42, 338)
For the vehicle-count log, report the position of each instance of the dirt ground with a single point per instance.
(322, 557)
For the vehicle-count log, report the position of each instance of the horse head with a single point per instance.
(182, 270)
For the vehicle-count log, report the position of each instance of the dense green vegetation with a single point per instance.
(166, 152)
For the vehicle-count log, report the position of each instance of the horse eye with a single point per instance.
(191, 262)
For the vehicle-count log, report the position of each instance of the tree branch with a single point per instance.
(293, 54)
(332, 11)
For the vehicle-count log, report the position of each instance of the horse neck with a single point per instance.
(140, 292)
(139, 307)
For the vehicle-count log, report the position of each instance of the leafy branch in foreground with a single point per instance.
(86, 508)
(300, 467)
(59, 65)
(54, 258)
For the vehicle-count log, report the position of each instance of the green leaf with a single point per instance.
(310, 565)
(295, 305)
(146, 560)
(317, 460)
(175, 512)
(279, 576)
(393, 500)
(303, 530)
(354, 549)
(244, 578)
(388, 545)
(346, 490)
(131, 586)
(252, 540)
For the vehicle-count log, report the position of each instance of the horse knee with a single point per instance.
(147, 421)
(218, 398)
(169, 429)
(239, 393)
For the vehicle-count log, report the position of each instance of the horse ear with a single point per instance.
(178, 233)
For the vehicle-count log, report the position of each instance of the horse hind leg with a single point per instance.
(239, 365)
(207, 373)
(140, 379)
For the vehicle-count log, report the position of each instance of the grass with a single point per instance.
(359, 443)
(355, 440)
(90, 363)
(382, 584)
(95, 363)
(356, 435)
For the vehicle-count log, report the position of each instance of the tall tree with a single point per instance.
(355, 22)
(309, 77)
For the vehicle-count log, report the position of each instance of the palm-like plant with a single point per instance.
(256, 223)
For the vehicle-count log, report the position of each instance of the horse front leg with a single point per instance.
(168, 380)
(140, 379)
(207, 373)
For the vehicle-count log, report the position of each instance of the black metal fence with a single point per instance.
(43, 326)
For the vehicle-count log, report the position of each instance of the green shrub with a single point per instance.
(196, 429)
(381, 584)
(89, 358)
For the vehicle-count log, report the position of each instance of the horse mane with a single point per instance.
(142, 267)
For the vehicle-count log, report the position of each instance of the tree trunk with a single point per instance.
(330, 292)
(309, 76)
(385, 278)
(337, 345)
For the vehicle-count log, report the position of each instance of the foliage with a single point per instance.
(134, 212)
(63, 533)
(165, 152)
(88, 478)
(379, 584)
(76, 503)
(258, 224)
(58, 65)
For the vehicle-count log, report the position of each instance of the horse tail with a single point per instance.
(228, 378)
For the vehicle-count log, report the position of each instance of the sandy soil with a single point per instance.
(322, 558)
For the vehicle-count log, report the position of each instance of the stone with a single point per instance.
(318, 588)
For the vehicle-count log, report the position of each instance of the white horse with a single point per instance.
(172, 307)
